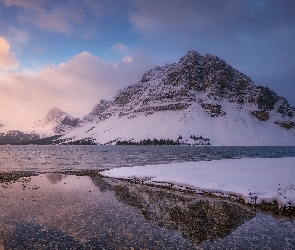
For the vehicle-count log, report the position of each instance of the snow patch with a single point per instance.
(254, 179)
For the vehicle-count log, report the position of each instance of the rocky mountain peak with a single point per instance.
(56, 122)
(191, 57)
(97, 110)
(206, 80)
(54, 114)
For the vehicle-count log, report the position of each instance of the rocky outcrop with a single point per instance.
(260, 115)
(57, 122)
(97, 111)
(286, 125)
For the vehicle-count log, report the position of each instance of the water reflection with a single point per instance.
(80, 212)
(75, 214)
(198, 218)
(54, 177)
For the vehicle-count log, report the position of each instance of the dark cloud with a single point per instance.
(220, 16)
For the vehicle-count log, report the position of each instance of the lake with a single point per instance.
(65, 211)
(60, 158)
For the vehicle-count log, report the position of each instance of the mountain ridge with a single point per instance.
(195, 90)
(199, 100)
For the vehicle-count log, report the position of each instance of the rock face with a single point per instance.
(97, 111)
(56, 122)
(198, 96)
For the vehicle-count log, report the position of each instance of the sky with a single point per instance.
(72, 53)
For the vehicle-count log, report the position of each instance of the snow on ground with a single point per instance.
(267, 179)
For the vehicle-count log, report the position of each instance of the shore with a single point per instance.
(264, 182)
(84, 210)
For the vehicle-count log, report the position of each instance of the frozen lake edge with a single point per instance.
(267, 183)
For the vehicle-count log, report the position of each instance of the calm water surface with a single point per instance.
(58, 211)
(54, 158)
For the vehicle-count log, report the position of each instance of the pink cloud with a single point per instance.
(7, 59)
(75, 86)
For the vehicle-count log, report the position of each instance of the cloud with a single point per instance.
(256, 37)
(49, 15)
(120, 48)
(127, 59)
(7, 59)
(66, 16)
(75, 86)
(26, 4)
(213, 16)
(57, 19)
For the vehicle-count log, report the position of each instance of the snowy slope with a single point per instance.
(198, 96)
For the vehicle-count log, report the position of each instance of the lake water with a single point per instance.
(59, 158)
(59, 211)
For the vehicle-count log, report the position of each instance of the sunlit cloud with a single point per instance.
(127, 59)
(7, 59)
(75, 86)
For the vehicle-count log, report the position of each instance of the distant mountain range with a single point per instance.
(201, 100)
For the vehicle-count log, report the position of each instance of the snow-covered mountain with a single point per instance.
(56, 122)
(8, 135)
(198, 100)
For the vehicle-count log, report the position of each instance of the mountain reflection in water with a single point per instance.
(58, 211)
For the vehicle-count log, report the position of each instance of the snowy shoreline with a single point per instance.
(255, 180)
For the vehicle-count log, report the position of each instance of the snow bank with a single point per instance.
(259, 179)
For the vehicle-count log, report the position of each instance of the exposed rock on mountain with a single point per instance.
(200, 96)
(97, 111)
(56, 122)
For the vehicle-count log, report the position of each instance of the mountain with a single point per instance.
(56, 122)
(10, 136)
(200, 100)
(54, 125)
